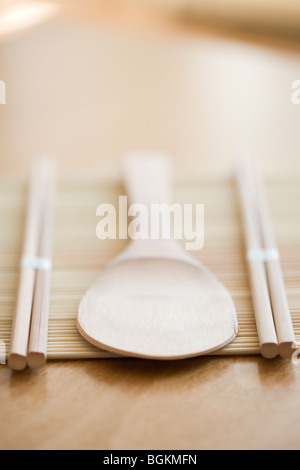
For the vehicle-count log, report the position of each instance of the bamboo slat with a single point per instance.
(79, 255)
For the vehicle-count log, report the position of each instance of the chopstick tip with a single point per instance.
(16, 361)
(286, 349)
(269, 350)
(36, 360)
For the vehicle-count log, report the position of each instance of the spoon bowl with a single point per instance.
(158, 308)
(154, 300)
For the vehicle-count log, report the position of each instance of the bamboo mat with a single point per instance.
(79, 255)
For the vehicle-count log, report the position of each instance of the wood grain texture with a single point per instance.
(200, 403)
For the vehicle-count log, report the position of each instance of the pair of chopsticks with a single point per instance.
(272, 315)
(30, 324)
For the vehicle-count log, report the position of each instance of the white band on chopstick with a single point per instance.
(36, 262)
(264, 256)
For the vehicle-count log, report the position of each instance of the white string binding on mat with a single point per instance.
(36, 262)
(271, 254)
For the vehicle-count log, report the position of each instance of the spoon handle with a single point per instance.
(147, 178)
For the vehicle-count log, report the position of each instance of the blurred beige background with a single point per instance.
(89, 82)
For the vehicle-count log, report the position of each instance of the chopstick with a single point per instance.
(281, 313)
(257, 272)
(17, 358)
(22, 315)
(37, 348)
(272, 313)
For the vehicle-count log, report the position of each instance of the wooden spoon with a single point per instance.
(154, 300)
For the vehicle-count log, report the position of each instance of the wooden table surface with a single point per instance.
(90, 85)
